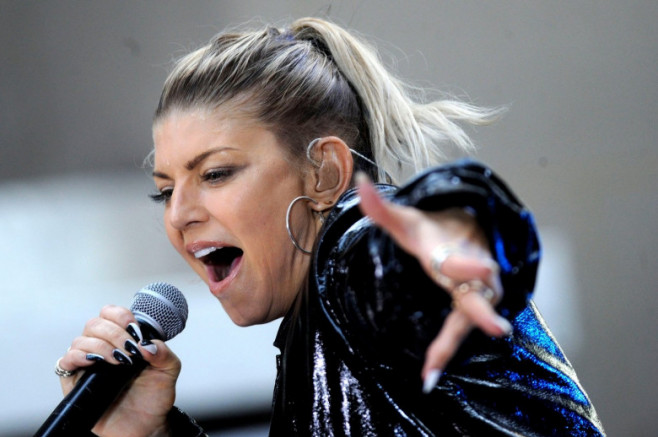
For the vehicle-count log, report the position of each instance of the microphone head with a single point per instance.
(161, 306)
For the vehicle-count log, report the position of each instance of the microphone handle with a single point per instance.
(92, 395)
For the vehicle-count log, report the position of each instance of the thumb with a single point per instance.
(383, 213)
(158, 355)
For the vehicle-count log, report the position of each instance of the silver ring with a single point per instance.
(440, 253)
(438, 256)
(63, 373)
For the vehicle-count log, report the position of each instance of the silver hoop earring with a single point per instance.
(292, 237)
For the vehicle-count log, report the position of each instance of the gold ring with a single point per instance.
(474, 285)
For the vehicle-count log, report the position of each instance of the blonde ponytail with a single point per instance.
(405, 135)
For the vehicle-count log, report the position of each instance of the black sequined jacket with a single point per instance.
(353, 346)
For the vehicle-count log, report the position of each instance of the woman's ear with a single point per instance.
(332, 171)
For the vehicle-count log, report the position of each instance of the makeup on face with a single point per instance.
(226, 184)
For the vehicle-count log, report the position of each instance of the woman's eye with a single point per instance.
(218, 175)
(162, 196)
(214, 176)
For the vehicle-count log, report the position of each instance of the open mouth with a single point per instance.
(219, 261)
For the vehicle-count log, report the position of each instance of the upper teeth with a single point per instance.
(203, 252)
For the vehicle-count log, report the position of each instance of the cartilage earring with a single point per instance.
(317, 163)
(308, 152)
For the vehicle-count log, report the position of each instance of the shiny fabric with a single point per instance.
(353, 346)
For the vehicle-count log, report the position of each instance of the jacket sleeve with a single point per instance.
(371, 284)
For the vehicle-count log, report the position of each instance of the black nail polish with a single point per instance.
(135, 332)
(149, 346)
(131, 347)
(121, 357)
(95, 357)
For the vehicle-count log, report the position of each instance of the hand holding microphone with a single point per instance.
(119, 370)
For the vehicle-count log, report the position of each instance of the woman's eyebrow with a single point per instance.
(160, 175)
(192, 163)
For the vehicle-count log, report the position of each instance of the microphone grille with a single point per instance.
(162, 306)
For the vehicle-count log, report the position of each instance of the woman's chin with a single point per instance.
(244, 320)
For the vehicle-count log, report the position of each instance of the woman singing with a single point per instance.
(406, 303)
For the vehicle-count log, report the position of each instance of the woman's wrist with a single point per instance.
(163, 431)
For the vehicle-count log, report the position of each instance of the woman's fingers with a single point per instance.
(388, 216)
(104, 338)
(412, 229)
(479, 311)
(112, 339)
(464, 266)
(110, 325)
(113, 335)
(444, 346)
(165, 363)
(475, 289)
(419, 232)
(472, 310)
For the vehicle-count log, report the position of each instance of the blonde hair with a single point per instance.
(315, 79)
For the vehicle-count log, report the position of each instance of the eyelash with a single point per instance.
(161, 197)
(217, 175)
(212, 176)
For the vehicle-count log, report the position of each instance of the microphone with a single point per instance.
(161, 311)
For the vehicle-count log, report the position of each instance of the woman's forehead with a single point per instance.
(215, 120)
(186, 135)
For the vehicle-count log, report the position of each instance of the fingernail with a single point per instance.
(150, 347)
(431, 380)
(95, 357)
(135, 332)
(493, 265)
(361, 177)
(504, 325)
(131, 347)
(121, 357)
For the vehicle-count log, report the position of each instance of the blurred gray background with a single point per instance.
(79, 81)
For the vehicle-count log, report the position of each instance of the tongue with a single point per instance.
(221, 271)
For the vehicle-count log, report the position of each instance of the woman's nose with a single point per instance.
(185, 208)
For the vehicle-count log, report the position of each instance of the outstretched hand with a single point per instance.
(465, 261)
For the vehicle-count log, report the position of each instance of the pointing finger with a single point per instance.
(444, 346)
